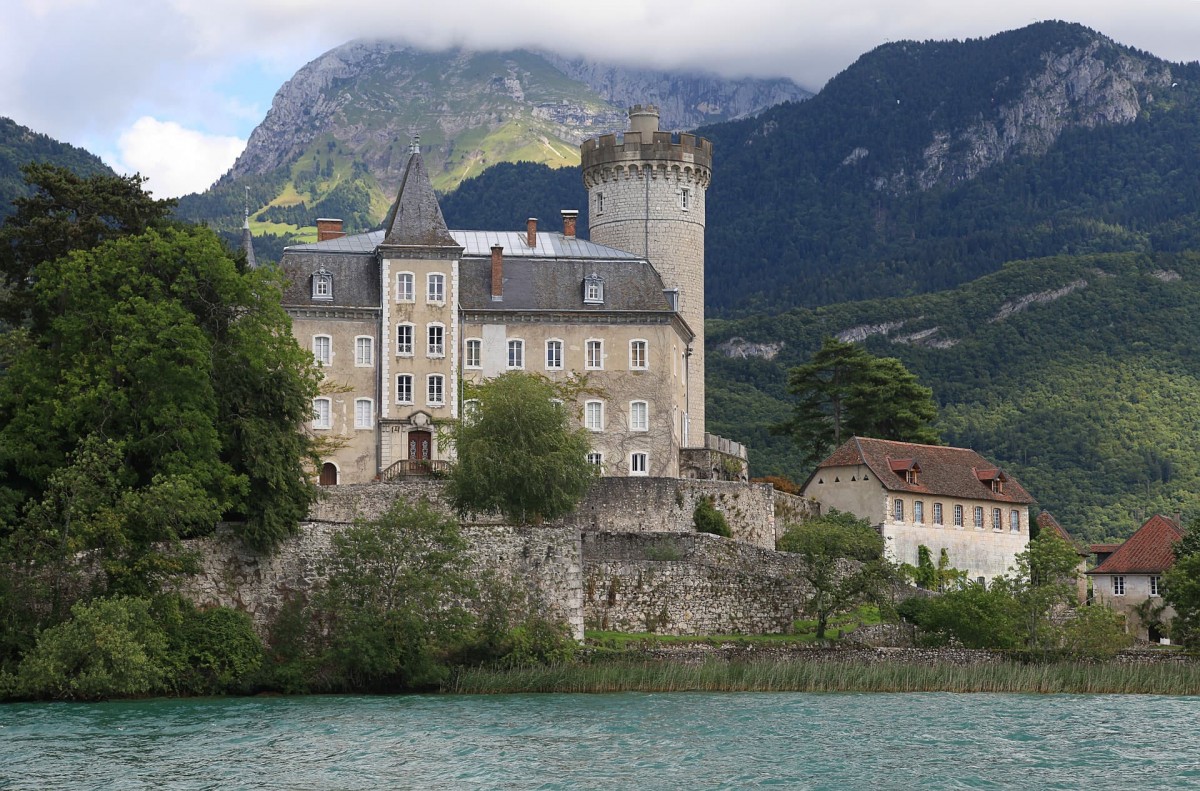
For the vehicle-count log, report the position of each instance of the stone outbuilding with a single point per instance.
(1131, 576)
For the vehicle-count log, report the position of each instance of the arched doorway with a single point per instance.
(329, 474)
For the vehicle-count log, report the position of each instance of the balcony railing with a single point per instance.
(414, 468)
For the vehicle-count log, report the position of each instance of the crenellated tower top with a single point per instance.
(679, 154)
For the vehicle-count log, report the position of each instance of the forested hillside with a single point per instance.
(1078, 374)
(20, 145)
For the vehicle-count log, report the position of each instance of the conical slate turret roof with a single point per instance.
(248, 244)
(415, 218)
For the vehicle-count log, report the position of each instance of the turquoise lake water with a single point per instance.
(625, 741)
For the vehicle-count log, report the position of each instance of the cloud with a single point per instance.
(176, 160)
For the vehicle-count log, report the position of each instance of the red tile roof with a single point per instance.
(1148, 551)
(952, 472)
(1047, 522)
(1104, 549)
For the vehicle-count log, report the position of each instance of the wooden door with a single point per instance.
(329, 474)
(420, 446)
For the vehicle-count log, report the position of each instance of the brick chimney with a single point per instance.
(569, 216)
(497, 273)
(531, 232)
(328, 228)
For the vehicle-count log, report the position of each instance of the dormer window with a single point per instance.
(593, 290)
(992, 478)
(908, 469)
(322, 284)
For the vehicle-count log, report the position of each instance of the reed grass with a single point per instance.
(796, 675)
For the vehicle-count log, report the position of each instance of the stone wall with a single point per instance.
(545, 558)
(674, 583)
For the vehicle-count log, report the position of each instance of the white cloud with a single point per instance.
(174, 159)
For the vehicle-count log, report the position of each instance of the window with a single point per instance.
(685, 198)
(593, 289)
(364, 351)
(470, 409)
(322, 284)
(596, 458)
(404, 389)
(404, 287)
(898, 510)
(516, 354)
(599, 203)
(323, 349)
(593, 415)
(1014, 521)
(996, 523)
(594, 355)
(978, 517)
(436, 290)
(1154, 586)
(474, 353)
(639, 416)
(958, 516)
(937, 514)
(404, 340)
(554, 354)
(321, 413)
(436, 346)
(637, 355)
(1118, 586)
(919, 512)
(639, 464)
(364, 413)
(435, 390)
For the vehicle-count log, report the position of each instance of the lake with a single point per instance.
(625, 741)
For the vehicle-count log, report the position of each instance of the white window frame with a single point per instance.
(473, 353)
(359, 405)
(593, 290)
(997, 520)
(938, 516)
(639, 347)
(897, 510)
(361, 342)
(958, 516)
(1014, 521)
(919, 512)
(325, 359)
(595, 363)
(596, 459)
(555, 363)
(400, 391)
(322, 413)
(435, 295)
(322, 285)
(1118, 584)
(634, 423)
(516, 354)
(593, 409)
(401, 349)
(639, 463)
(435, 390)
(1155, 585)
(978, 515)
(599, 203)
(406, 287)
(437, 349)
(685, 198)
(470, 409)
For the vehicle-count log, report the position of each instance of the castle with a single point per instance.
(401, 318)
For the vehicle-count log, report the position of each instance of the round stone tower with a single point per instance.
(646, 195)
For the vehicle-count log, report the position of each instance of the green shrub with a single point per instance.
(218, 651)
(709, 520)
(1095, 632)
(109, 648)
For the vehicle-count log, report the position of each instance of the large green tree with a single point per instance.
(519, 452)
(842, 563)
(1182, 589)
(844, 391)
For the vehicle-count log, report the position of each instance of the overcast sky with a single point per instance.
(172, 88)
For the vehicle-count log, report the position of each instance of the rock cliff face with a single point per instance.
(365, 100)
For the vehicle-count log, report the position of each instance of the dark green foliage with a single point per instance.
(213, 650)
(1095, 632)
(19, 146)
(708, 519)
(528, 189)
(515, 629)
(843, 563)
(845, 391)
(518, 451)
(350, 201)
(1182, 592)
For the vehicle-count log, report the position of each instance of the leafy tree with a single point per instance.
(1043, 583)
(67, 212)
(1096, 632)
(1182, 591)
(708, 519)
(517, 451)
(844, 390)
(391, 608)
(974, 615)
(842, 561)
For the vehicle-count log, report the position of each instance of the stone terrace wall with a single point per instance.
(672, 583)
(546, 558)
(790, 510)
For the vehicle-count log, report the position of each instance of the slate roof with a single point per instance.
(541, 284)
(950, 472)
(479, 244)
(416, 218)
(1148, 551)
(248, 245)
(355, 278)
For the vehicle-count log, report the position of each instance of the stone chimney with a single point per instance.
(328, 228)
(569, 216)
(531, 232)
(497, 273)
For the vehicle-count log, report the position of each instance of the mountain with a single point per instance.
(335, 139)
(926, 165)
(20, 145)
